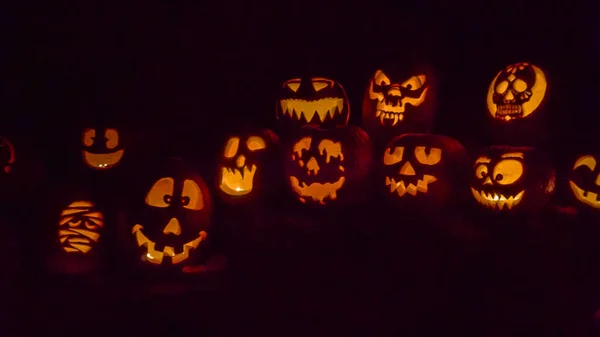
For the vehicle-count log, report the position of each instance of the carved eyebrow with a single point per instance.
(512, 155)
(293, 80)
(483, 160)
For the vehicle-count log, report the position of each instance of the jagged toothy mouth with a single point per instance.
(324, 108)
(317, 191)
(386, 115)
(401, 188)
(237, 181)
(509, 111)
(497, 201)
(587, 197)
(155, 256)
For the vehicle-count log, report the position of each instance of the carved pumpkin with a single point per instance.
(399, 100)
(510, 179)
(584, 180)
(247, 167)
(324, 166)
(424, 169)
(102, 147)
(80, 227)
(173, 220)
(7, 155)
(313, 101)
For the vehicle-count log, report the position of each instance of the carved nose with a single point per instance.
(509, 97)
(407, 169)
(488, 181)
(240, 161)
(172, 227)
(312, 166)
(394, 91)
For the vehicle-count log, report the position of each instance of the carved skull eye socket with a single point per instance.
(519, 85)
(502, 87)
(414, 83)
(381, 79)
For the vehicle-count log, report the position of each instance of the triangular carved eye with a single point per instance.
(293, 84)
(391, 158)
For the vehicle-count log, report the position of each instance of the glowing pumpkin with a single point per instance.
(427, 170)
(172, 222)
(509, 179)
(584, 180)
(399, 100)
(324, 166)
(80, 227)
(315, 101)
(102, 148)
(248, 167)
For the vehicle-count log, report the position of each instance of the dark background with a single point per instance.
(189, 70)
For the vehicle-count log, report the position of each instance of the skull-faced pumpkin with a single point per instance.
(399, 101)
(516, 92)
(512, 178)
(324, 166)
(102, 147)
(584, 180)
(7, 155)
(174, 218)
(424, 169)
(79, 227)
(313, 101)
(246, 168)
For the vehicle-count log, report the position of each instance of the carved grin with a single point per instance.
(102, 161)
(401, 188)
(587, 197)
(156, 256)
(237, 181)
(324, 109)
(509, 111)
(317, 191)
(497, 201)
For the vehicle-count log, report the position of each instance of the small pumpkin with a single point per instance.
(426, 170)
(512, 179)
(399, 99)
(584, 180)
(248, 166)
(173, 217)
(103, 147)
(316, 101)
(328, 166)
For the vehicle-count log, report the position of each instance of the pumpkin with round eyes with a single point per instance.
(328, 166)
(102, 147)
(584, 180)
(247, 168)
(315, 101)
(172, 222)
(425, 170)
(511, 179)
(399, 100)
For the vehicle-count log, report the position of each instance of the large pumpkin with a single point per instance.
(425, 170)
(315, 101)
(512, 179)
(172, 217)
(328, 166)
(515, 101)
(249, 166)
(399, 99)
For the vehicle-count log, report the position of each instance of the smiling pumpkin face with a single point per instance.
(315, 101)
(102, 148)
(175, 217)
(324, 166)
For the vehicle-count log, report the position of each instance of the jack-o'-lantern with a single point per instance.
(425, 169)
(509, 179)
(7, 155)
(246, 168)
(584, 180)
(313, 101)
(399, 100)
(79, 227)
(516, 92)
(325, 166)
(102, 148)
(174, 218)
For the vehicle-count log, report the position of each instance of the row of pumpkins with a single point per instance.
(327, 161)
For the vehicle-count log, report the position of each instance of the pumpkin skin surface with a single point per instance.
(327, 166)
(312, 101)
(511, 179)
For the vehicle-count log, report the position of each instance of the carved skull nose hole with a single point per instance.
(394, 92)
(240, 161)
(312, 166)
(407, 169)
(509, 97)
(172, 227)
